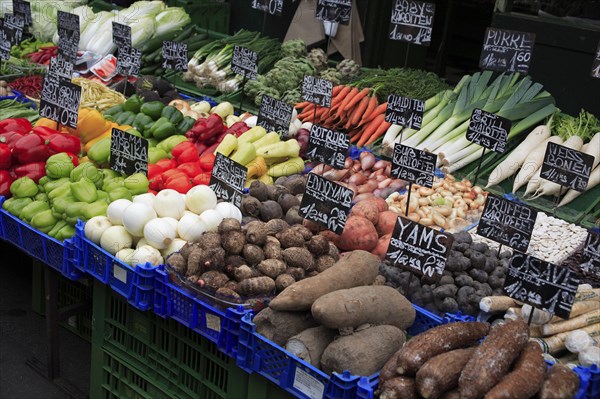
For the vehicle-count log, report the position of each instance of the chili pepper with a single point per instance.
(30, 86)
(10, 138)
(5, 181)
(63, 142)
(21, 125)
(31, 148)
(5, 156)
(190, 168)
(34, 170)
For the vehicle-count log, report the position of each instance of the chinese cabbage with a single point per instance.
(138, 10)
(142, 30)
(95, 28)
(171, 19)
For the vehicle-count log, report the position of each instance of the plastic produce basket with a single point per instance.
(59, 255)
(593, 388)
(136, 284)
(20, 97)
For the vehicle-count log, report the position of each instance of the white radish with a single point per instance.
(548, 187)
(533, 184)
(533, 161)
(592, 148)
(572, 194)
(515, 159)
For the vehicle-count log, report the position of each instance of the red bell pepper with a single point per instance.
(238, 128)
(167, 174)
(200, 147)
(180, 183)
(10, 138)
(201, 179)
(207, 160)
(63, 142)
(156, 183)
(31, 148)
(212, 148)
(185, 152)
(34, 170)
(5, 156)
(21, 125)
(191, 169)
(166, 163)
(154, 170)
(44, 131)
(5, 181)
(73, 158)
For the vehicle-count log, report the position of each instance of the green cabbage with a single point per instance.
(171, 19)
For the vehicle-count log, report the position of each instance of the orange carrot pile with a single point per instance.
(355, 111)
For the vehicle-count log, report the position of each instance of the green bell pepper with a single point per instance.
(89, 171)
(52, 184)
(170, 142)
(67, 231)
(133, 104)
(75, 211)
(84, 190)
(59, 191)
(109, 173)
(126, 118)
(59, 206)
(152, 142)
(153, 109)
(44, 221)
(97, 208)
(113, 183)
(114, 110)
(59, 225)
(133, 131)
(102, 195)
(15, 205)
(141, 121)
(100, 151)
(156, 154)
(186, 124)
(43, 181)
(59, 165)
(24, 187)
(118, 193)
(162, 128)
(172, 114)
(41, 197)
(28, 212)
(137, 183)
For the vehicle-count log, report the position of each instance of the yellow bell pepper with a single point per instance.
(45, 122)
(91, 124)
(256, 168)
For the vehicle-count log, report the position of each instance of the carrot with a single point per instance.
(358, 97)
(379, 132)
(379, 110)
(302, 104)
(370, 107)
(360, 109)
(370, 129)
(341, 95)
(353, 92)
(307, 114)
(336, 90)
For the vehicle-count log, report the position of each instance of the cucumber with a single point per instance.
(185, 33)
(156, 42)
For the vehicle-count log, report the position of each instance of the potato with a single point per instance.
(368, 210)
(386, 222)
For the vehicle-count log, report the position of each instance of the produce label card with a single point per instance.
(128, 153)
(419, 249)
(244, 62)
(121, 34)
(13, 28)
(129, 61)
(317, 91)
(541, 284)
(60, 101)
(507, 222)
(488, 130)
(228, 179)
(413, 165)
(591, 254)
(175, 55)
(327, 146)
(60, 68)
(334, 11)
(404, 111)
(68, 27)
(326, 203)
(567, 167)
(275, 115)
(273, 7)
(4, 44)
(412, 22)
(506, 50)
(23, 8)
(596, 64)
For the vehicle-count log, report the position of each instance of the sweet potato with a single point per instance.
(437, 340)
(440, 373)
(353, 270)
(382, 206)
(359, 233)
(281, 326)
(368, 210)
(382, 246)
(386, 222)
(525, 379)
(399, 388)
(364, 352)
(560, 383)
(492, 358)
(375, 304)
(310, 344)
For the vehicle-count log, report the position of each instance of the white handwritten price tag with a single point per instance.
(326, 203)
(412, 22)
(506, 50)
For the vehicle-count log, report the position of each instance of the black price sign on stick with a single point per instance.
(506, 50)
(228, 179)
(507, 222)
(60, 101)
(129, 61)
(317, 91)
(275, 115)
(334, 11)
(13, 28)
(596, 64)
(60, 68)
(121, 34)
(23, 8)
(419, 249)
(591, 254)
(404, 111)
(488, 130)
(412, 22)
(4, 45)
(244, 62)
(273, 7)
(327, 146)
(567, 167)
(413, 165)
(326, 203)
(68, 35)
(128, 153)
(541, 284)
(175, 55)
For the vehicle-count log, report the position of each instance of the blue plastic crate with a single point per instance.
(593, 388)
(425, 320)
(218, 323)
(136, 284)
(210, 100)
(584, 381)
(59, 255)
(17, 95)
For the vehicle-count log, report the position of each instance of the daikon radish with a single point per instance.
(592, 148)
(556, 343)
(533, 184)
(572, 194)
(533, 162)
(515, 159)
(491, 304)
(583, 320)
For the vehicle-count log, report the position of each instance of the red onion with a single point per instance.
(367, 160)
(368, 187)
(362, 196)
(357, 178)
(381, 164)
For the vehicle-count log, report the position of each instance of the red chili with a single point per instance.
(5, 181)
(19, 125)
(30, 86)
(5, 156)
(34, 170)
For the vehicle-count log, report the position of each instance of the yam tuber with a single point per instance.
(271, 267)
(440, 373)
(299, 257)
(399, 388)
(560, 383)
(310, 344)
(359, 233)
(281, 326)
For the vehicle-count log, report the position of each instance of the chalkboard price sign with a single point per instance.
(419, 249)
(506, 50)
(128, 153)
(60, 68)
(541, 284)
(129, 61)
(275, 115)
(507, 222)
(273, 7)
(591, 254)
(488, 130)
(68, 26)
(317, 91)
(228, 179)
(326, 203)
(404, 111)
(412, 22)
(13, 28)
(327, 146)
(413, 165)
(596, 64)
(567, 167)
(244, 62)
(60, 101)
(175, 55)
(23, 8)
(4, 44)
(121, 34)
(334, 11)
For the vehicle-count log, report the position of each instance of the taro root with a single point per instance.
(256, 233)
(293, 217)
(318, 245)
(213, 279)
(187, 248)
(306, 233)
(334, 252)
(275, 226)
(233, 241)
(290, 238)
(275, 191)
(270, 210)
(272, 249)
(286, 201)
(210, 239)
(271, 267)
(253, 254)
(259, 190)
(177, 262)
(229, 224)
(229, 294)
(251, 206)
(297, 273)
(324, 262)
(299, 257)
(262, 285)
(283, 281)
(245, 272)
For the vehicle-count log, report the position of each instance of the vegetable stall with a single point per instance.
(283, 210)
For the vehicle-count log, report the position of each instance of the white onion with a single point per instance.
(174, 222)
(174, 246)
(200, 198)
(115, 238)
(146, 254)
(212, 218)
(169, 203)
(140, 242)
(125, 255)
(95, 227)
(228, 210)
(115, 210)
(147, 198)
(136, 216)
(159, 233)
(191, 227)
